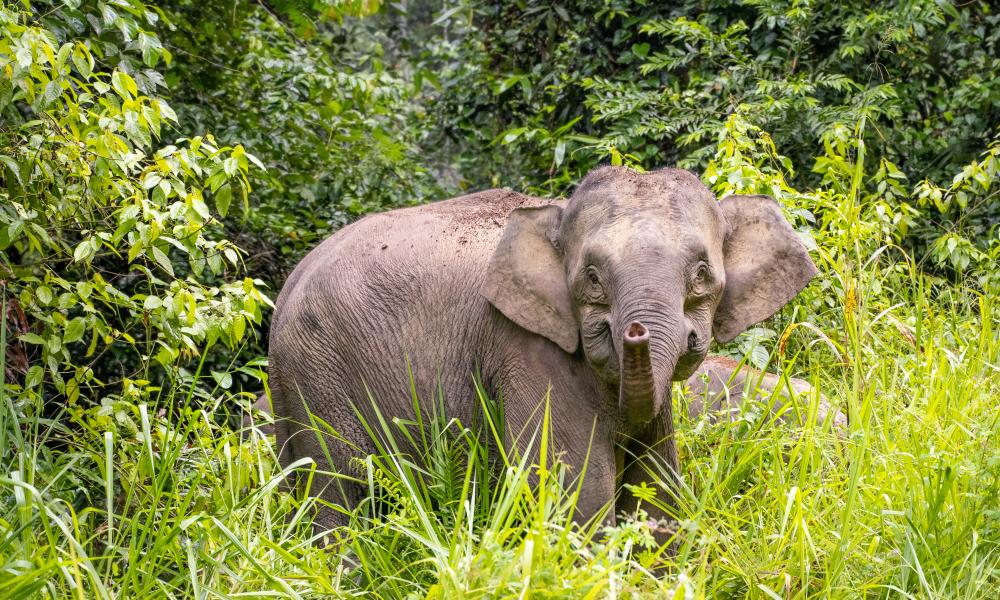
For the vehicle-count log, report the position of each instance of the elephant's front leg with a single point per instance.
(646, 461)
(597, 487)
(580, 440)
(579, 424)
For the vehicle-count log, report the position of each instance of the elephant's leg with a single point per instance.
(597, 488)
(336, 482)
(718, 386)
(579, 440)
(331, 440)
(646, 460)
(580, 427)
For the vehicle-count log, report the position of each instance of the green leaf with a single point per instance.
(151, 180)
(214, 260)
(224, 380)
(165, 111)
(560, 153)
(239, 328)
(134, 251)
(75, 330)
(223, 197)
(508, 83)
(161, 259)
(201, 208)
(616, 157)
(256, 161)
(150, 47)
(123, 83)
(82, 61)
(63, 54)
(52, 91)
(231, 166)
(34, 376)
(85, 250)
(31, 338)
(13, 166)
(44, 294)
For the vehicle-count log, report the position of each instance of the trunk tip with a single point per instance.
(636, 333)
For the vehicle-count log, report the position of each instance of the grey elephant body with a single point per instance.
(496, 284)
(401, 289)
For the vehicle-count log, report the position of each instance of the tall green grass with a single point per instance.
(906, 502)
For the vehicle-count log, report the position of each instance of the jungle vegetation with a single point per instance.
(164, 165)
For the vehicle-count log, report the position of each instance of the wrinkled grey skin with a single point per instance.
(533, 294)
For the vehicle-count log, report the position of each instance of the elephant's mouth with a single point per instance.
(687, 364)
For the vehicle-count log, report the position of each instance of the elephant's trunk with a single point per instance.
(641, 396)
(637, 395)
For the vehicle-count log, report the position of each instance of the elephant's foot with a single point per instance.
(717, 388)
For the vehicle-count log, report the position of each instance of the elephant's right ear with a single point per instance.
(526, 280)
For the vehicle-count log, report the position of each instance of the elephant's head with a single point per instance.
(641, 270)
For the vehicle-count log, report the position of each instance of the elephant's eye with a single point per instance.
(594, 289)
(701, 274)
(700, 278)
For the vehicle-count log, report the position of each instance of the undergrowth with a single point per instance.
(904, 502)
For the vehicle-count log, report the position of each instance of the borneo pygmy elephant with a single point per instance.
(603, 298)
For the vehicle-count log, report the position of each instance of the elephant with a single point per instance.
(600, 300)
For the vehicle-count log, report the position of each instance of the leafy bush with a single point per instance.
(117, 279)
(305, 88)
(114, 259)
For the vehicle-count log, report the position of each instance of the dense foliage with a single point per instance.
(650, 84)
(164, 166)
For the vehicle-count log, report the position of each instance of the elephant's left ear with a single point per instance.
(766, 264)
(526, 280)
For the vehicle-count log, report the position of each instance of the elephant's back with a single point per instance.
(427, 242)
(460, 233)
(395, 287)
